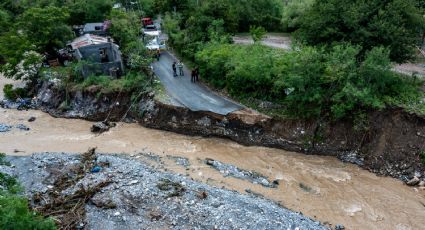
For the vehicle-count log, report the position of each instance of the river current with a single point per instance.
(320, 187)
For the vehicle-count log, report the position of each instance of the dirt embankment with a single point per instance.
(89, 104)
(390, 145)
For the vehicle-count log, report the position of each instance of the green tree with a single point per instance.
(46, 28)
(125, 27)
(83, 11)
(396, 24)
(5, 21)
(293, 12)
(257, 33)
(13, 45)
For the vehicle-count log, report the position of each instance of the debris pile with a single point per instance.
(66, 198)
(103, 126)
(126, 193)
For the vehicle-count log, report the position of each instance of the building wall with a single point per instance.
(96, 67)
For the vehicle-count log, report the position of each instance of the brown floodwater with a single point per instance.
(320, 187)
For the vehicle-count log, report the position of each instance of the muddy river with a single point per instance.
(320, 187)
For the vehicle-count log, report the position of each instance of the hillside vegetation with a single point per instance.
(340, 64)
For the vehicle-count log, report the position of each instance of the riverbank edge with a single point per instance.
(391, 145)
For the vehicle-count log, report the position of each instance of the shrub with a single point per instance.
(14, 211)
(396, 24)
(13, 94)
(257, 33)
(310, 82)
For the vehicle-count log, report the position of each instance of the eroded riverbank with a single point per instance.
(320, 187)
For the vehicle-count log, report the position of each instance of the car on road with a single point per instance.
(151, 30)
(156, 44)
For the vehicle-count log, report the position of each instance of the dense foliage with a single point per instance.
(293, 13)
(310, 82)
(194, 23)
(396, 24)
(40, 28)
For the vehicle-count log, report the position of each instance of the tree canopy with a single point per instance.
(396, 24)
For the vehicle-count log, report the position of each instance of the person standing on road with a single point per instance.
(158, 54)
(174, 69)
(193, 75)
(180, 66)
(197, 73)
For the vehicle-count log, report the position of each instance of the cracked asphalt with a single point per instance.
(194, 96)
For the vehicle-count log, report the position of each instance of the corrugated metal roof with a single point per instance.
(88, 39)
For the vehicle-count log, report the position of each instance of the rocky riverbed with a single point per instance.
(121, 192)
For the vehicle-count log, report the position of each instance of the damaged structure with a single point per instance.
(103, 57)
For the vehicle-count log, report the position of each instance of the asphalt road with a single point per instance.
(194, 96)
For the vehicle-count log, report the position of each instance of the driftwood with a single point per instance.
(68, 210)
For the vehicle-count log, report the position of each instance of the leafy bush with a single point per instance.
(257, 33)
(13, 94)
(14, 215)
(194, 24)
(396, 24)
(14, 211)
(293, 12)
(310, 82)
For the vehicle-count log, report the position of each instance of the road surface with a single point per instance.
(194, 96)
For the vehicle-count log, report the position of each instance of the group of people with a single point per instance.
(179, 66)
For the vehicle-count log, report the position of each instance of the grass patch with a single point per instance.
(132, 81)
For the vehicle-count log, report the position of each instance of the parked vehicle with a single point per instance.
(147, 21)
(151, 30)
(156, 44)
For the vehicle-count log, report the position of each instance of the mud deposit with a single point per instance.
(322, 188)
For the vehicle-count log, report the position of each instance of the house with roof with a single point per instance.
(103, 57)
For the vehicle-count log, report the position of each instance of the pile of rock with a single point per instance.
(103, 126)
(20, 104)
(416, 181)
(4, 128)
(233, 171)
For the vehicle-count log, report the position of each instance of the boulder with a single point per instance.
(414, 181)
(103, 126)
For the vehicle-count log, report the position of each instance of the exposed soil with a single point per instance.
(89, 104)
(390, 145)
